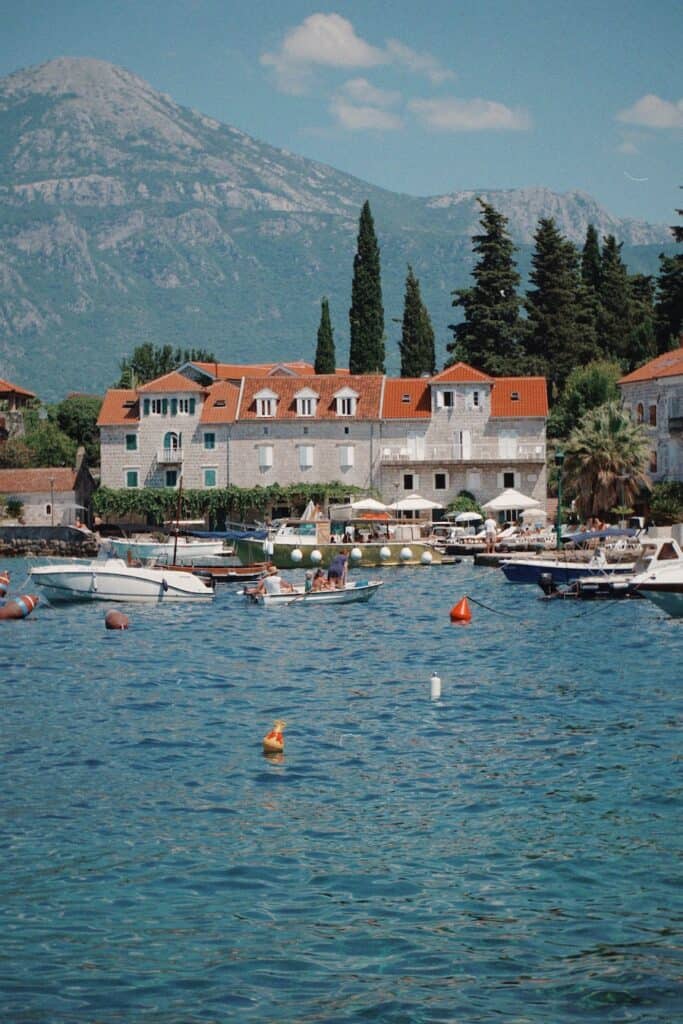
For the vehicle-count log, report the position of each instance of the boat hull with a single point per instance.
(117, 582)
(353, 593)
(372, 555)
(667, 597)
(522, 571)
(185, 551)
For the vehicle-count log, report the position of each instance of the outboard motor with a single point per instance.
(547, 584)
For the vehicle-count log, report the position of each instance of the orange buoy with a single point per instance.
(19, 607)
(460, 612)
(116, 620)
(274, 742)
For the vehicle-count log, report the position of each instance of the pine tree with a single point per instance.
(591, 262)
(489, 335)
(417, 336)
(325, 357)
(615, 316)
(366, 316)
(642, 341)
(668, 315)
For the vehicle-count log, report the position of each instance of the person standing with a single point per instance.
(490, 533)
(336, 574)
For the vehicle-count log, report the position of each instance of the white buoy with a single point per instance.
(355, 554)
(435, 686)
(296, 555)
(426, 558)
(385, 553)
(405, 554)
(316, 557)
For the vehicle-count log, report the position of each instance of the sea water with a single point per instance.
(509, 852)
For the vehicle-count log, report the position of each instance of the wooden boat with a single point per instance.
(351, 593)
(225, 573)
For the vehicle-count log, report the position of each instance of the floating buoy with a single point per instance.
(435, 687)
(274, 742)
(116, 620)
(19, 607)
(460, 612)
(4, 583)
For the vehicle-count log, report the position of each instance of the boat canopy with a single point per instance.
(606, 534)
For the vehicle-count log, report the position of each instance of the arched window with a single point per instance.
(640, 413)
(172, 440)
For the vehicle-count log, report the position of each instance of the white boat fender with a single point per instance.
(164, 583)
(435, 687)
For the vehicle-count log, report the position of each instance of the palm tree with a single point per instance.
(605, 460)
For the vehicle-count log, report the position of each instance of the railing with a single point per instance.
(481, 451)
(170, 456)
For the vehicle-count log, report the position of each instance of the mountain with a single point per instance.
(127, 218)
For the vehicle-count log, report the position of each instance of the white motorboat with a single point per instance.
(185, 550)
(662, 581)
(112, 579)
(352, 592)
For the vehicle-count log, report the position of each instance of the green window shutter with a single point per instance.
(174, 407)
(145, 407)
(164, 406)
(192, 403)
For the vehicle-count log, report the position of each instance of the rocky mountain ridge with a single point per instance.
(128, 218)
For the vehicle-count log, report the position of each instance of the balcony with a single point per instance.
(483, 451)
(170, 456)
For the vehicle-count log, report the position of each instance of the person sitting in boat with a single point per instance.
(272, 583)
(319, 580)
(336, 574)
(308, 581)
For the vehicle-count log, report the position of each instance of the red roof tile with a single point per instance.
(120, 407)
(235, 371)
(37, 481)
(220, 405)
(669, 364)
(368, 387)
(406, 398)
(173, 381)
(5, 386)
(531, 400)
(461, 372)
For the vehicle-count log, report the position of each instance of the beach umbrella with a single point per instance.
(414, 503)
(511, 499)
(368, 505)
(533, 515)
(467, 517)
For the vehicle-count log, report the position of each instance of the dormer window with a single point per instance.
(405, 398)
(346, 402)
(514, 396)
(266, 402)
(306, 402)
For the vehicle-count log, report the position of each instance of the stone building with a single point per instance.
(653, 394)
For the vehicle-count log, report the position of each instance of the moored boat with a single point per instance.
(112, 579)
(183, 550)
(349, 594)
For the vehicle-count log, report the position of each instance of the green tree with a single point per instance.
(586, 388)
(366, 315)
(606, 458)
(417, 334)
(50, 446)
(325, 356)
(77, 416)
(15, 454)
(642, 341)
(149, 362)
(488, 337)
(615, 315)
(591, 261)
(668, 313)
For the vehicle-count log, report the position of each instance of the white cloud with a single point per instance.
(653, 112)
(326, 40)
(363, 118)
(450, 114)
(359, 90)
(420, 63)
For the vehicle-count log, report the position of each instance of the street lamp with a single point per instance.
(52, 500)
(559, 462)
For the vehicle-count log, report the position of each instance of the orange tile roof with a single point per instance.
(220, 405)
(417, 392)
(15, 389)
(235, 371)
(37, 481)
(461, 372)
(669, 364)
(117, 409)
(532, 400)
(172, 381)
(368, 387)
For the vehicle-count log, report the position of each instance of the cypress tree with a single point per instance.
(615, 315)
(591, 262)
(417, 335)
(488, 338)
(325, 357)
(366, 315)
(669, 301)
(642, 342)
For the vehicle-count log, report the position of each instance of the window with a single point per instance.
(209, 442)
(410, 482)
(449, 399)
(514, 396)
(653, 462)
(475, 399)
(171, 477)
(653, 415)
(172, 441)
(508, 479)
(131, 442)
(440, 481)
(265, 402)
(346, 456)
(305, 456)
(159, 406)
(640, 413)
(346, 406)
(265, 456)
(131, 478)
(346, 430)
(209, 477)
(305, 431)
(186, 406)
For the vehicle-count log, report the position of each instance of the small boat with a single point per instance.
(112, 579)
(183, 550)
(662, 581)
(226, 573)
(352, 592)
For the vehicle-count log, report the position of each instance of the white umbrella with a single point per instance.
(468, 517)
(534, 514)
(368, 505)
(413, 503)
(511, 499)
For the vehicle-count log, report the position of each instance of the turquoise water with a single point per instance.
(511, 852)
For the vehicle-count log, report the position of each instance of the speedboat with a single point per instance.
(530, 570)
(349, 594)
(184, 549)
(112, 579)
(662, 581)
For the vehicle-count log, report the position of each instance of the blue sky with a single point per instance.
(422, 99)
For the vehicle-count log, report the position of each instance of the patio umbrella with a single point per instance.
(511, 499)
(368, 505)
(533, 515)
(467, 517)
(413, 503)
